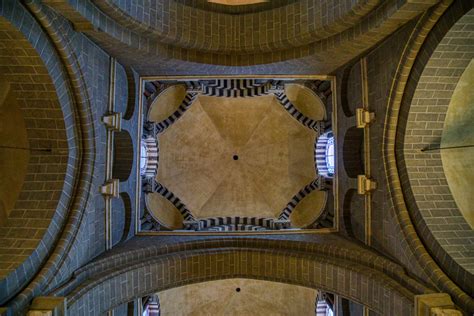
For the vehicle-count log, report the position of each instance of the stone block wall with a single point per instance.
(29, 64)
(444, 57)
(40, 75)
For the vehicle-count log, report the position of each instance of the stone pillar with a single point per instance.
(48, 306)
(437, 304)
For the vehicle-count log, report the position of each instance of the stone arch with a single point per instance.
(67, 93)
(434, 211)
(420, 45)
(39, 211)
(123, 155)
(245, 258)
(179, 45)
(352, 152)
(191, 34)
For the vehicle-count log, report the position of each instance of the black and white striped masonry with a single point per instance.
(149, 151)
(184, 106)
(326, 220)
(285, 214)
(293, 111)
(235, 88)
(161, 189)
(209, 222)
(320, 154)
(235, 227)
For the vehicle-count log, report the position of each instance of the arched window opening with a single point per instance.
(148, 157)
(325, 156)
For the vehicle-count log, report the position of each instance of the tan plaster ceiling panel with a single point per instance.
(166, 103)
(13, 162)
(306, 101)
(308, 209)
(237, 2)
(256, 297)
(458, 131)
(275, 157)
(164, 211)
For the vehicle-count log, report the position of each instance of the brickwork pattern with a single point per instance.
(296, 24)
(123, 156)
(351, 90)
(38, 215)
(80, 223)
(150, 57)
(442, 17)
(126, 101)
(303, 260)
(387, 234)
(353, 214)
(239, 9)
(441, 225)
(87, 238)
(353, 152)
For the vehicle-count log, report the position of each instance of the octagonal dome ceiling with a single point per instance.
(236, 157)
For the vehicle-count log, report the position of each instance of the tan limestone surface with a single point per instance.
(306, 101)
(458, 131)
(164, 211)
(255, 297)
(308, 209)
(236, 157)
(13, 156)
(275, 157)
(167, 103)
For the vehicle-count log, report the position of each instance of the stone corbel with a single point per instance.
(436, 304)
(365, 185)
(113, 121)
(48, 306)
(364, 117)
(110, 188)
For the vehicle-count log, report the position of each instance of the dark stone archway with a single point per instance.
(35, 221)
(448, 237)
(146, 265)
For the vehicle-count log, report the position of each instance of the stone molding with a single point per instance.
(401, 78)
(273, 258)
